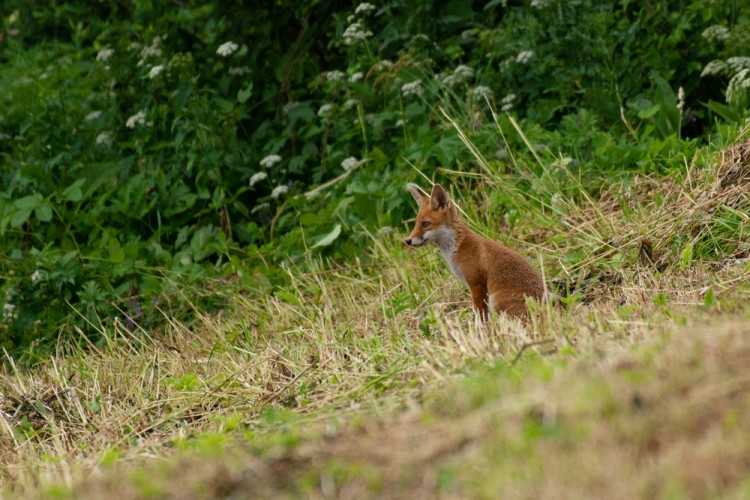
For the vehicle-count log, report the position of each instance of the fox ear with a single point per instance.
(439, 198)
(417, 194)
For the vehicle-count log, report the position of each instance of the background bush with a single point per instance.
(149, 149)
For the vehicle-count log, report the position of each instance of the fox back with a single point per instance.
(497, 276)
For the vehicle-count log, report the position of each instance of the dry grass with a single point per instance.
(264, 395)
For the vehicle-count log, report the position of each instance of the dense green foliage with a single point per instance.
(147, 147)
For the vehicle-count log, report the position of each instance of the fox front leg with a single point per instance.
(479, 297)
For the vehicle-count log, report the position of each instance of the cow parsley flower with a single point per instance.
(524, 56)
(104, 54)
(412, 88)
(325, 109)
(482, 91)
(351, 103)
(92, 116)
(349, 163)
(737, 86)
(539, 4)
(257, 177)
(364, 8)
(270, 160)
(137, 119)
(260, 206)
(356, 77)
(279, 190)
(334, 76)
(382, 65)
(507, 102)
(153, 50)
(103, 139)
(715, 32)
(227, 49)
(9, 311)
(355, 33)
(739, 63)
(714, 67)
(155, 71)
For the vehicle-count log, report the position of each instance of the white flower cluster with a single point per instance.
(279, 190)
(334, 76)
(137, 119)
(355, 33)
(270, 160)
(9, 312)
(539, 4)
(507, 102)
(412, 88)
(738, 85)
(257, 177)
(738, 63)
(103, 139)
(382, 65)
(356, 77)
(349, 163)
(364, 8)
(461, 74)
(104, 54)
(155, 71)
(260, 206)
(482, 91)
(714, 68)
(351, 103)
(524, 56)
(37, 276)
(227, 49)
(715, 32)
(325, 109)
(92, 116)
(153, 50)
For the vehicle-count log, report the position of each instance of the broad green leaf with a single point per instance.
(73, 192)
(30, 202)
(329, 238)
(20, 217)
(44, 212)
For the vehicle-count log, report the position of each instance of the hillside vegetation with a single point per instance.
(204, 288)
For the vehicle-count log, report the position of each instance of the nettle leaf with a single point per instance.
(329, 238)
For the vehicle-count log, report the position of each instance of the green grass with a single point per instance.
(375, 380)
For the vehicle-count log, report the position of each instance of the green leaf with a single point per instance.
(329, 238)
(44, 212)
(73, 192)
(723, 111)
(244, 95)
(20, 217)
(30, 202)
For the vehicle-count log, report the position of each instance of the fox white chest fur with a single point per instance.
(444, 238)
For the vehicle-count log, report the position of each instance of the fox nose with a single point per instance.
(408, 241)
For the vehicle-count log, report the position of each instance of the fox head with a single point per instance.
(435, 220)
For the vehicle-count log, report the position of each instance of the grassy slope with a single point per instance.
(376, 380)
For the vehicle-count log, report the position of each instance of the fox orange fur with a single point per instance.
(496, 275)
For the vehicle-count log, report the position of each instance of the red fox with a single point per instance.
(489, 269)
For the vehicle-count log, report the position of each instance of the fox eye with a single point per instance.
(426, 223)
